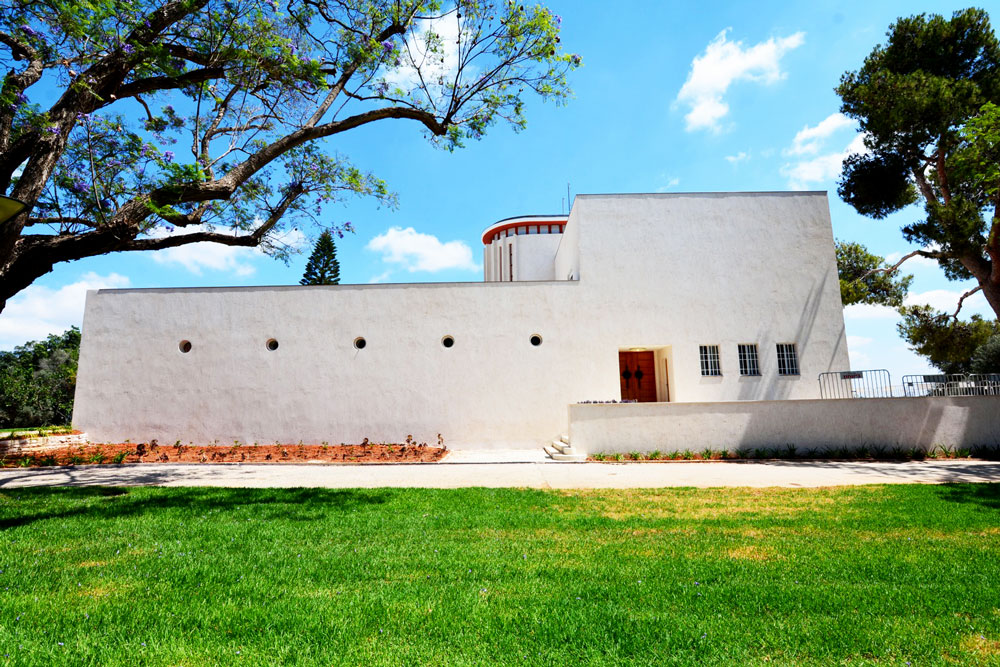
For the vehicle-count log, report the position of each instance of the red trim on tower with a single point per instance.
(521, 222)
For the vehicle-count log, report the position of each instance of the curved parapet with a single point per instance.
(522, 248)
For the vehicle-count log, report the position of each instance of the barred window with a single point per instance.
(709, 355)
(749, 364)
(788, 360)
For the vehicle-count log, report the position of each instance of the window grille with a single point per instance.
(709, 355)
(788, 360)
(749, 363)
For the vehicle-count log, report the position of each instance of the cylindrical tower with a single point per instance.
(522, 248)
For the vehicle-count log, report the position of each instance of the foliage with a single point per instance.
(181, 121)
(37, 381)
(322, 267)
(858, 283)
(986, 358)
(462, 576)
(948, 343)
(925, 103)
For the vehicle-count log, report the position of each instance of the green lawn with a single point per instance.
(868, 575)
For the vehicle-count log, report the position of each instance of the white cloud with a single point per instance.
(671, 182)
(820, 169)
(858, 341)
(809, 140)
(422, 252)
(38, 311)
(381, 278)
(418, 61)
(865, 311)
(238, 260)
(724, 63)
(742, 156)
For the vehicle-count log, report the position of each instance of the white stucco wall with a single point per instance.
(666, 272)
(907, 423)
(685, 270)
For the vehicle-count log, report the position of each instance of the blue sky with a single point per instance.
(672, 97)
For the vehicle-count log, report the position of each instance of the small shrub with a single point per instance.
(655, 455)
(76, 460)
(25, 462)
(687, 455)
(48, 461)
(635, 456)
(598, 457)
(120, 457)
(619, 457)
(706, 454)
(97, 458)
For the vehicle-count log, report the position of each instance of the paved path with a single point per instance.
(475, 472)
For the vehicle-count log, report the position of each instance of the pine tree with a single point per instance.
(322, 267)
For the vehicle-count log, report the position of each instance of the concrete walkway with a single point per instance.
(472, 470)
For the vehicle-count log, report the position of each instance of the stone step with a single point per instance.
(562, 447)
(557, 455)
(564, 438)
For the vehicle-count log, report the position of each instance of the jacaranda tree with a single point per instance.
(147, 124)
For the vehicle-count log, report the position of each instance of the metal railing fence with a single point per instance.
(952, 385)
(856, 384)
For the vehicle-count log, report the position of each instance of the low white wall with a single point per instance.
(923, 423)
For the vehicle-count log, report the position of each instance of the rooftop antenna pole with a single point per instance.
(562, 206)
(569, 201)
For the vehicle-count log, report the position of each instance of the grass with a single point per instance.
(192, 576)
(34, 431)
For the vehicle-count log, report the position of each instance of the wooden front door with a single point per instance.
(637, 372)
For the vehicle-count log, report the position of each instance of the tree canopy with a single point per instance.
(181, 121)
(926, 103)
(865, 277)
(322, 267)
(37, 381)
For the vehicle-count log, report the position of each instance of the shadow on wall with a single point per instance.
(771, 386)
(116, 502)
(848, 423)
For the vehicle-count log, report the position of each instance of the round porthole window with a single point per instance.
(536, 340)
(185, 346)
(272, 344)
(360, 343)
(447, 341)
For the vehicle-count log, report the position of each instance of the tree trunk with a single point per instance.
(992, 293)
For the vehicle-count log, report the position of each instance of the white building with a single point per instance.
(652, 297)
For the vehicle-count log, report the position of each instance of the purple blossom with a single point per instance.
(27, 30)
(53, 129)
(387, 45)
(168, 156)
(558, 20)
(128, 49)
(575, 58)
(21, 98)
(169, 109)
(78, 186)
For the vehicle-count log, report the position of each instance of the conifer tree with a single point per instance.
(322, 267)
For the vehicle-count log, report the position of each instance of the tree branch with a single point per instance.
(894, 267)
(961, 300)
